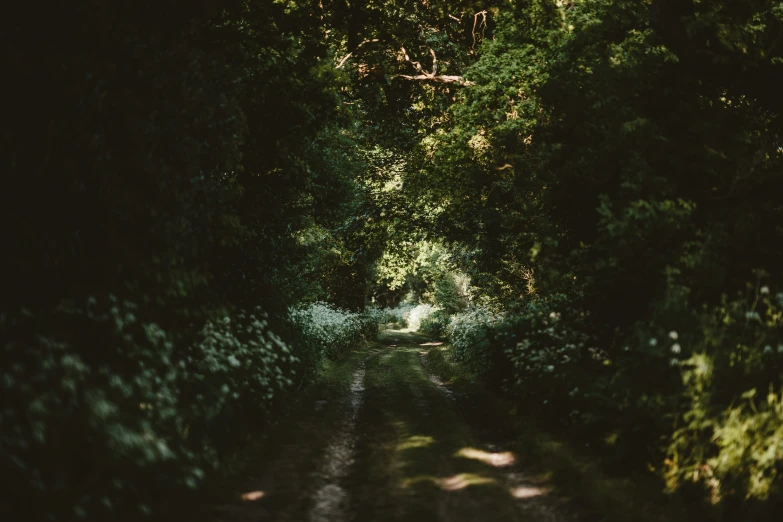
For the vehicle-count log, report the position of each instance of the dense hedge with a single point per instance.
(95, 434)
(609, 181)
(695, 391)
(181, 156)
(325, 331)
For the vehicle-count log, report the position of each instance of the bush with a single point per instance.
(89, 433)
(729, 440)
(324, 331)
(419, 313)
(556, 364)
(435, 324)
(233, 375)
(470, 334)
(448, 295)
(397, 316)
(679, 391)
(540, 354)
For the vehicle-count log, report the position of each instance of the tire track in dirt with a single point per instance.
(330, 500)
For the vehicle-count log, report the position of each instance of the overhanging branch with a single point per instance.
(430, 76)
(443, 78)
(348, 56)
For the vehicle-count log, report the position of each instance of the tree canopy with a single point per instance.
(587, 191)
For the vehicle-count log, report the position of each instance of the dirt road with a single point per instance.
(383, 439)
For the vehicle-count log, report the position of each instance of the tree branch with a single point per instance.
(348, 56)
(430, 76)
(416, 65)
(443, 78)
(483, 26)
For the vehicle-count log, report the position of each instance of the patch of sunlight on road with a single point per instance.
(416, 441)
(528, 491)
(453, 483)
(463, 480)
(431, 343)
(505, 458)
(251, 496)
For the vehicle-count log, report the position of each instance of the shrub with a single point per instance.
(435, 324)
(419, 313)
(540, 354)
(88, 433)
(397, 316)
(324, 331)
(729, 439)
(448, 295)
(470, 335)
(235, 372)
(556, 363)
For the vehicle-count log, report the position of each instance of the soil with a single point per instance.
(386, 439)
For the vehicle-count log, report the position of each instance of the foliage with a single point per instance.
(603, 173)
(728, 439)
(596, 135)
(328, 332)
(398, 315)
(149, 416)
(416, 317)
(435, 324)
(419, 314)
(88, 433)
(202, 171)
(471, 340)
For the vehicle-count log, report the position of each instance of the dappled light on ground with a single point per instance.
(398, 446)
(528, 491)
(463, 480)
(416, 441)
(432, 343)
(505, 458)
(251, 496)
(451, 483)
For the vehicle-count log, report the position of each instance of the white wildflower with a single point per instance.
(764, 290)
(653, 342)
(674, 361)
(675, 348)
(673, 335)
(768, 349)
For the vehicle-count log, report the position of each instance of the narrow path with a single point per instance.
(423, 458)
(385, 440)
(330, 499)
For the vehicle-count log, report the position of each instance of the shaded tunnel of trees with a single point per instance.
(586, 194)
